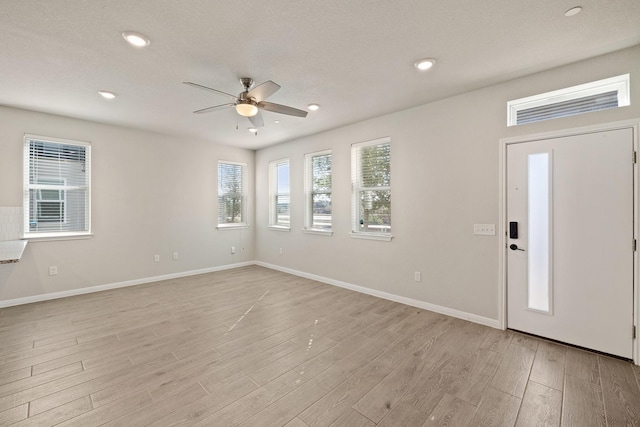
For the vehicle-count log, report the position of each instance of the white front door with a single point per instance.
(570, 267)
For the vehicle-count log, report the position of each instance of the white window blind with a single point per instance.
(603, 94)
(568, 108)
(231, 194)
(371, 182)
(279, 194)
(57, 182)
(317, 188)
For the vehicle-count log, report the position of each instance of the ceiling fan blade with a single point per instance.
(217, 107)
(282, 109)
(256, 120)
(263, 91)
(196, 85)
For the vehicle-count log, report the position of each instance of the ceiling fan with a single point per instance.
(251, 101)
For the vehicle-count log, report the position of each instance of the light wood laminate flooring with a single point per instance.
(257, 347)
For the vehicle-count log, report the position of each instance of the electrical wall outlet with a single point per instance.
(175, 255)
(156, 258)
(233, 249)
(417, 276)
(280, 251)
(53, 270)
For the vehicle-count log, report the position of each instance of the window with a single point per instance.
(231, 195)
(371, 196)
(57, 176)
(49, 204)
(599, 95)
(279, 197)
(317, 190)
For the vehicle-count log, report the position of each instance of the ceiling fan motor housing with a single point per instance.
(247, 82)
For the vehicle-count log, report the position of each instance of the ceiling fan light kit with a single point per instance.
(249, 102)
(246, 109)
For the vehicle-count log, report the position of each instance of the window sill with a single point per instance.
(52, 237)
(317, 231)
(372, 236)
(278, 228)
(232, 227)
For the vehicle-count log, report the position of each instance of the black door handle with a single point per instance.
(515, 247)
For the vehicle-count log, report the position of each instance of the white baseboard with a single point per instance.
(81, 291)
(494, 323)
(385, 295)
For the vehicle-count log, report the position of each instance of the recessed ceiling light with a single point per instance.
(573, 11)
(424, 64)
(252, 130)
(136, 39)
(106, 94)
(276, 121)
(313, 107)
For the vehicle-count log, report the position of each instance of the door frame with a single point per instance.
(502, 215)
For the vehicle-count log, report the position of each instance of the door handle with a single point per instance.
(515, 247)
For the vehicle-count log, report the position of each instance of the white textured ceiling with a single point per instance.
(353, 57)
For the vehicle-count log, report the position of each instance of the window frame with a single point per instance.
(357, 189)
(243, 197)
(309, 226)
(64, 187)
(274, 224)
(620, 84)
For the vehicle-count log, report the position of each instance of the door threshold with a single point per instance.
(590, 350)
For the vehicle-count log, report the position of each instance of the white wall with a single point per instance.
(445, 171)
(155, 194)
(151, 194)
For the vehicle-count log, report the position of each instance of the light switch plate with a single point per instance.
(484, 229)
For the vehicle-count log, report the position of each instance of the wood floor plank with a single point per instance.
(36, 380)
(582, 365)
(199, 411)
(496, 409)
(549, 363)
(246, 365)
(513, 373)
(14, 415)
(476, 376)
(156, 410)
(165, 375)
(332, 356)
(404, 414)
(497, 341)
(296, 422)
(621, 392)
(282, 365)
(9, 377)
(353, 418)
(451, 411)
(582, 404)
(525, 340)
(541, 406)
(434, 380)
(112, 411)
(36, 351)
(386, 394)
(254, 402)
(59, 414)
(330, 407)
(49, 395)
(288, 407)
